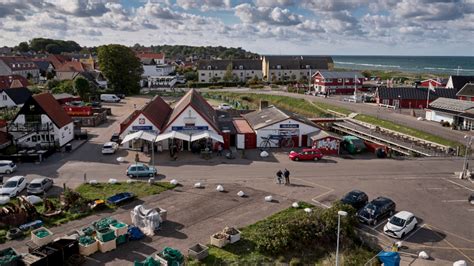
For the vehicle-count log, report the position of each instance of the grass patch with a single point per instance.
(246, 251)
(333, 108)
(105, 190)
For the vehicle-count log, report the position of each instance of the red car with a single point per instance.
(306, 155)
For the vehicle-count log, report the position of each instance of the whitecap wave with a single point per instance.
(365, 64)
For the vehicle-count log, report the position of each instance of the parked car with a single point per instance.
(353, 144)
(356, 199)
(139, 169)
(7, 167)
(400, 224)
(111, 98)
(375, 210)
(471, 199)
(13, 187)
(306, 155)
(224, 106)
(121, 95)
(39, 186)
(115, 138)
(109, 147)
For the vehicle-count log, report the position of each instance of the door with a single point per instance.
(250, 141)
(241, 141)
(304, 140)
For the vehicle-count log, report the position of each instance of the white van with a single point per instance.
(111, 98)
(7, 167)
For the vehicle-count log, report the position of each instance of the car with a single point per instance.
(306, 155)
(120, 95)
(39, 186)
(375, 210)
(471, 199)
(356, 199)
(109, 147)
(353, 145)
(111, 98)
(400, 224)
(139, 169)
(7, 167)
(224, 106)
(13, 187)
(115, 138)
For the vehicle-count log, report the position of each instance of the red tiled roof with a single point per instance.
(157, 111)
(12, 81)
(18, 63)
(57, 60)
(72, 66)
(242, 126)
(52, 108)
(151, 55)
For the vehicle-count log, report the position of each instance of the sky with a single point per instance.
(319, 27)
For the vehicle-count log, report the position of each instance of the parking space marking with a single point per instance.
(463, 186)
(413, 232)
(449, 233)
(329, 190)
(455, 200)
(449, 243)
(470, 210)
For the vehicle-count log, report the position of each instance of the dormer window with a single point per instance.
(241, 67)
(308, 66)
(209, 67)
(278, 66)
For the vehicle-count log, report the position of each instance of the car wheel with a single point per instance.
(316, 159)
(131, 176)
(403, 235)
(297, 159)
(151, 175)
(8, 172)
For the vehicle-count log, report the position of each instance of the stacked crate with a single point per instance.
(120, 230)
(106, 238)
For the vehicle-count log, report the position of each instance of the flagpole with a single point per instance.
(428, 99)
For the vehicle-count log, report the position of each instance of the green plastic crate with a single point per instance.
(122, 239)
(105, 234)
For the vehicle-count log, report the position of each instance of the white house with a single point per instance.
(242, 69)
(41, 121)
(272, 121)
(459, 113)
(151, 118)
(157, 75)
(14, 97)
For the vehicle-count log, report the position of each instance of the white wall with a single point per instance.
(432, 115)
(157, 71)
(65, 134)
(61, 135)
(5, 100)
(136, 122)
(274, 129)
(190, 114)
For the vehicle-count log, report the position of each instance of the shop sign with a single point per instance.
(289, 125)
(179, 128)
(144, 128)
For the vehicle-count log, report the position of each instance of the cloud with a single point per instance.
(82, 8)
(273, 3)
(204, 5)
(429, 10)
(273, 16)
(332, 5)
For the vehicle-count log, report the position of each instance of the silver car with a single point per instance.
(39, 185)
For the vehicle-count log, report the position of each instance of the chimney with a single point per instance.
(263, 104)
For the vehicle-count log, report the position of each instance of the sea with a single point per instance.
(447, 65)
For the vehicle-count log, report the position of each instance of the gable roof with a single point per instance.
(16, 63)
(52, 108)
(459, 81)
(157, 111)
(18, 95)
(453, 105)
(13, 81)
(42, 65)
(410, 93)
(194, 99)
(271, 115)
(72, 66)
(467, 90)
(57, 60)
(298, 61)
(247, 64)
(339, 74)
(151, 55)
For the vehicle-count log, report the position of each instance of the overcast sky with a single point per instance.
(335, 27)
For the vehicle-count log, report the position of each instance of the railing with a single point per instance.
(29, 127)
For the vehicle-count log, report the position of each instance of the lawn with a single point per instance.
(105, 190)
(248, 250)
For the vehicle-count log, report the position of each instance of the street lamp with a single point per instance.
(468, 146)
(339, 214)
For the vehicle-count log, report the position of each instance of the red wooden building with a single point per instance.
(436, 83)
(410, 97)
(337, 82)
(466, 93)
(327, 142)
(246, 137)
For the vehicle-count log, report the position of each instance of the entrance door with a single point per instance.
(396, 103)
(240, 141)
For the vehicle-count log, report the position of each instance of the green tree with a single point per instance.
(82, 87)
(121, 67)
(228, 73)
(215, 79)
(23, 47)
(293, 77)
(191, 75)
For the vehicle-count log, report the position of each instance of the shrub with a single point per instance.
(215, 87)
(274, 86)
(256, 87)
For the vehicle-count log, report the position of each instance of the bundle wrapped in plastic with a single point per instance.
(295, 205)
(174, 182)
(220, 188)
(268, 198)
(241, 193)
(148, 220)
(198, 185)
(112, 181)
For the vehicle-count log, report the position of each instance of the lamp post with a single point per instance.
(465, 164)
(339, 214)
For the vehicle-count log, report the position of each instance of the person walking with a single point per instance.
(286, 174)
(279, 175)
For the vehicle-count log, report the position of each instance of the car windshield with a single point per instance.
(370, 208)
(145, 167)
(10, 184)
(107, 146)
(358, 143)
(397, 221)
(34, 185)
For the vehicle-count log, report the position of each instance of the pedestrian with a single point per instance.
(219, 149)
(279, 175)
(137, 158)
(286, 173)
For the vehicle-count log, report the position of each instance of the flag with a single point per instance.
(431, 88)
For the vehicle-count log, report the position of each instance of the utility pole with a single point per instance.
(466, 161)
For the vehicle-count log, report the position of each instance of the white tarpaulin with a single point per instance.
(207, 135)
(148, 220)
(172, 135)
(139, 135)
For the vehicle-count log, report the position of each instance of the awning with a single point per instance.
(172, 135)
(139, 135)
(207, 135)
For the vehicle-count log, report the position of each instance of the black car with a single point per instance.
(120, 95)
(471, 199)
(356, 199)
(115, 138)
(375, 210)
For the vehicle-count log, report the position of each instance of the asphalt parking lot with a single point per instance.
(427, 187)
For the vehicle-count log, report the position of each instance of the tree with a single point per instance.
(53, 48)
(121, 67)
(23, 47)
(191, 75)
(228, 73)
(293, 77)
(215, 79)
(82, 87)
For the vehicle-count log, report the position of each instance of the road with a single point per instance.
(373, 110)
(425, 186)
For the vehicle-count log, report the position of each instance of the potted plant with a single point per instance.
(234, 234)
(219, 239)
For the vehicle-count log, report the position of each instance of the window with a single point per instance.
(5, 97)
(328, 80)
(339, 80)
(252, 71)
(209, 67)
(348, 80)
(308, 66)
(241, 67)
(278, 66)
(189, 125)
(241, 74)
(203, 74)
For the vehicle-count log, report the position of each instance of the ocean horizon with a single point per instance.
(447, 65)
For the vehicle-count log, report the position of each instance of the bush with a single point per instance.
(256, 87)
(215, 87)
(274, 86)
